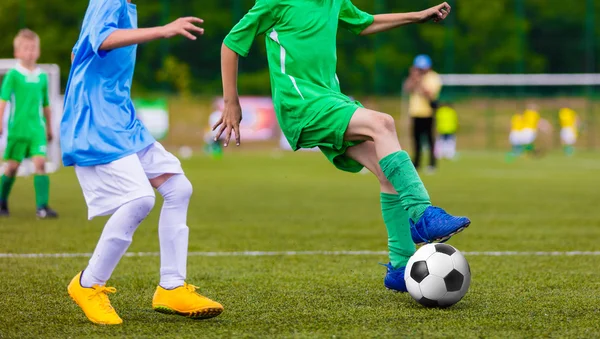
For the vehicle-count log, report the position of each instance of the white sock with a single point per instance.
(173, 231)
(114, 241)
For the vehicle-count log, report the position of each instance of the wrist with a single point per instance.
(162, 32)
(231, 100)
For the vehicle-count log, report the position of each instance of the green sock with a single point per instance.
(6, 184)
(400, 243)
(400, 171)
(42, 190)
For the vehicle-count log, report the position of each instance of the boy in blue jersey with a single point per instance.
(118, 163)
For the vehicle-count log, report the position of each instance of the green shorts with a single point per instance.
(327, 131)
(21, 148)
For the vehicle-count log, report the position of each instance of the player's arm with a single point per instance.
(5, 93)
(385, 22)
(127, 37)
(232, 112)
(2, 109)
(257, 21)
(47, 110)
(48, 116)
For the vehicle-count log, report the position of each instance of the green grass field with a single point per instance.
(258, 201)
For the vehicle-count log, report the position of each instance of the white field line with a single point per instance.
(295, 253)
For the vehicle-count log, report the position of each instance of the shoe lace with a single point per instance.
(190, 288)
(101, 292)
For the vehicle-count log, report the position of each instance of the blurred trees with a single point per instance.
(481, 37)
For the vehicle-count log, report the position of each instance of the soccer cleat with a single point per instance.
(394, 278)
(46, 213)
(436, 226)
(185, 301)
(4, 209)
(94, 302)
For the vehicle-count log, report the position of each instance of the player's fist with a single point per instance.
(436, 13)
(186, 27)
(229, 122)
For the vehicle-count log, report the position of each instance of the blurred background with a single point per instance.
(479, 37)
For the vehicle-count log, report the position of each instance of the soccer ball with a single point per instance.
(437, 275)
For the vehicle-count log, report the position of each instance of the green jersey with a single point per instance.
(27, 92)
(301, 50)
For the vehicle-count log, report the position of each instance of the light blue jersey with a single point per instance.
(99, 124)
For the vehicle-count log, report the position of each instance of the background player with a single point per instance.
(533, 123)
(446, 123)
(569, 123)
(312, 111)
(30, 123)
(118, 163)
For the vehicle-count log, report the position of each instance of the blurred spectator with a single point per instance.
(424, 86)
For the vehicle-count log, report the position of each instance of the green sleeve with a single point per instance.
(45, 97)
(353, 19)
(7, 86)
(256, 22)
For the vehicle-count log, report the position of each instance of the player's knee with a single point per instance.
(177, 188)
(141, 207)
(11, 169)
(384, 123)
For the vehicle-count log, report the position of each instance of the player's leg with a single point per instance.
(431, 141)
(6, 183)
(14, 154)
(428, 223)
(173, 294)
(41, 182)
(451, 146)
(119, 188)
(568, 138)
(400, 244)
(417, 141)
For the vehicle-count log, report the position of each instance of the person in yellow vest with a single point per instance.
(516, 134)
(424, 86)
(446, 121)
(569, 123)
(531, 123)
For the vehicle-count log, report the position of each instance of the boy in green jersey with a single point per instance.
(313, 112)
(29, 131)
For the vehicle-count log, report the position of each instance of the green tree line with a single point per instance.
(480, 36)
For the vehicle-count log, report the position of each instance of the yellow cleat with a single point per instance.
(185, 301)
(94, 302)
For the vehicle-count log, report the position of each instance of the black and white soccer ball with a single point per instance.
(437, 275)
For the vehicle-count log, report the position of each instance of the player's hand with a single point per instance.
(436, 14)
(184, 27)
(49, 135)
(229, 122)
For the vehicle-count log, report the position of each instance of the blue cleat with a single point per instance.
(436, 226)
(394, 279)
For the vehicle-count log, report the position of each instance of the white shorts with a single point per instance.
(107, 187)
(568, 135)
(516, 138)
(529, 136)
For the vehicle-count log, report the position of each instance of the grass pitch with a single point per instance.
(298, 202)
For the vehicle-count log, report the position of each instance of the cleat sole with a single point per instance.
(446, 238)
(205, 313)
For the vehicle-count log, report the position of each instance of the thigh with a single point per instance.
(107, 187)
(37, 146)
(364, 123)
(156, 161)
(16, 150)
